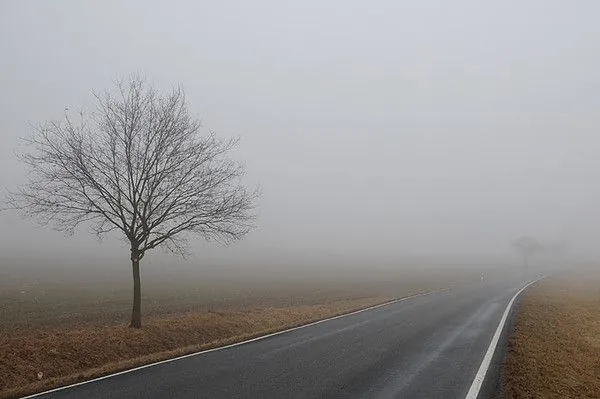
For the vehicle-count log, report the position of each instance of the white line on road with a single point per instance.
(487, 359)
(234, 344)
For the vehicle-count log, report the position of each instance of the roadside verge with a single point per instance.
(554, 346)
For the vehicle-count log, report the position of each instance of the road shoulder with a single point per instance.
(554, 346)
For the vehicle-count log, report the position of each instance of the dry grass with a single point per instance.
(554, 351)
(71, 298)
(69, 355)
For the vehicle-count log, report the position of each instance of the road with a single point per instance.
(428, 346)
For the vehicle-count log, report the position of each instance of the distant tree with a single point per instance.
(556, 248)
(527, 247)
(139, 166)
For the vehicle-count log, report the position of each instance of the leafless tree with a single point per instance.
(139, 166)
(527, 247)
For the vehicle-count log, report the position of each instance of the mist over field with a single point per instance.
(371, 198)
(386, 134)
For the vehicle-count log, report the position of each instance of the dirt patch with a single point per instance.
(554, 349)
(45, 358)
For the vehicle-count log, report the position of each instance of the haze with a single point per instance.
(378, 131)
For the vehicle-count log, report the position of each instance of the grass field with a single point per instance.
(48, 298)
(554, 350)
(58, 328)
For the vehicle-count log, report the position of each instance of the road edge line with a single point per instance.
(477, 383)
(259, 338)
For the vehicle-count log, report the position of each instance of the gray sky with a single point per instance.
(376, 129)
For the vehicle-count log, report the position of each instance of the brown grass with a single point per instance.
(554, 350)
(69, 355)
(70, 298)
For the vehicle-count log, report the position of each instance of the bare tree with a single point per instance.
(527, 247)
(555, 249)
(139, 166)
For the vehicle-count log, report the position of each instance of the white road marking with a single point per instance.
(232, 345)
(487, 359)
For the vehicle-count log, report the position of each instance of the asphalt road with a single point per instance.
(424, 347)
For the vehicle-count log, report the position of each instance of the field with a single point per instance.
(61, 326)
(62, 296)
(554, 349)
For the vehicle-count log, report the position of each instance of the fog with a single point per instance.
(379, 132)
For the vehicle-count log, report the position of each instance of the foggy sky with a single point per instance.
(376, 129)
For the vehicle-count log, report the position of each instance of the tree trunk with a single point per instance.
(136, 314)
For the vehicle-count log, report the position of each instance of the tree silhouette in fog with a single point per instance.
(527, 248)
